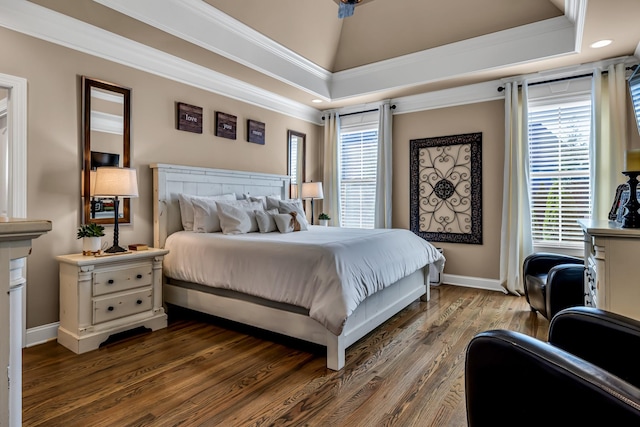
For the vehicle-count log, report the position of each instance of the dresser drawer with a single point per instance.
(109, 280)
(121, 305)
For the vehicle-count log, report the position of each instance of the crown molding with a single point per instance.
(36, 21)
(209, 28)
(203, 25)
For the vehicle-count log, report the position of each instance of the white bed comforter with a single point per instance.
(327, 270)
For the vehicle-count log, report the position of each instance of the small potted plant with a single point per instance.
(323, 218)
(90, 235)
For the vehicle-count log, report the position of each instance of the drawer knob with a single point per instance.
(110, 308)
(139, 302)
(139, 276)
(110, 281)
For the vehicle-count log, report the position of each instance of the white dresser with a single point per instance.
(104, 295)
(612, 267)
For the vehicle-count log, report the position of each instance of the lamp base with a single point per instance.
(115, 250)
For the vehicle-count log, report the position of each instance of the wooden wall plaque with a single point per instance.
(226, 125)
(255, 132)
(189, 117)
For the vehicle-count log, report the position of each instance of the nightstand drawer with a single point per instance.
(106, 281)
(121, 305)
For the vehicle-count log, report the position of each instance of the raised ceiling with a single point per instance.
(300, 50)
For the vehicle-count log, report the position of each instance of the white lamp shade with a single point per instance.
(112, 181)
(312, 190)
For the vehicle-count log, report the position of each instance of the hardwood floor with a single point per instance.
(201, 371)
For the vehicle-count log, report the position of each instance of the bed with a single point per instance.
(255, 294)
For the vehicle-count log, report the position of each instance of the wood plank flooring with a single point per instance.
(202, 371)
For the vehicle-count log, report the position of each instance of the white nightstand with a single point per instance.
(101, 296)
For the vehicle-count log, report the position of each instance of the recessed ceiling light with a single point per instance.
(601, 43)
(316, 101)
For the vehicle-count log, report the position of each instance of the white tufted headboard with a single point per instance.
(171, 180)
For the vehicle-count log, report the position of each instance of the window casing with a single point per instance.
(559, 164)
(358, 154)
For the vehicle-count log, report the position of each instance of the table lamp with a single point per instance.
(116, 182)
(312, 191)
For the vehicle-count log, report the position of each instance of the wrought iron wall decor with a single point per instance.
(446, 188)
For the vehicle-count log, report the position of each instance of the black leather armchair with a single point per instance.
(586, 375)
(553, 282)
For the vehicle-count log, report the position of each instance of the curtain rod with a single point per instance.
(393, 107)
(501, 88)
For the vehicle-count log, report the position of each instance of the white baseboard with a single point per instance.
(473, 282)
(42, 334)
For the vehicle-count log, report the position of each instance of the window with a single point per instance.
(559, 133)
(358, 153)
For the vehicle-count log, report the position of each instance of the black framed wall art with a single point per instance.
(188, 117)
(226, 125)
(255, 132)
(446, 188)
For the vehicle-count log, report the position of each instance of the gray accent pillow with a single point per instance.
(266, 221)
(205, 213)
(283, 222)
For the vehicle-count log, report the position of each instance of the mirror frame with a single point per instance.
(290, 134)
(87, 85)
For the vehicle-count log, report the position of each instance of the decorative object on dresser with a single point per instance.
(138, 247)
(90, 235)
(226, 125)
(102, 296)
(116, 182)
(312, 191)
(255, 132)
(189, 117)
(446, 188)
(611, 273)
(630, 216)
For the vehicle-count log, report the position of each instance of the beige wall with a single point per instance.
(481, 261)
(55, 153)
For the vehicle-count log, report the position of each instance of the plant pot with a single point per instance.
(91, 245)
(324, 222)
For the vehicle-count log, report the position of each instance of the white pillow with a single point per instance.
(294, 205)
(266, 221)
(205, 214)
(187, 209)
(238, 218)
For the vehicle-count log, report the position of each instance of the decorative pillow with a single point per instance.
(287, 224)
(205, 214)
(266, 221)
(187, 209)
(273, 202)
(294, 205)
(238, 218)
(283, 222)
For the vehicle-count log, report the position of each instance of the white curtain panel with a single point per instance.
(331, 179)
(516, 241)
(384, 182)
(608, 137)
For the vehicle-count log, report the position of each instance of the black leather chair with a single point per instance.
(586, 375)
(553, 282)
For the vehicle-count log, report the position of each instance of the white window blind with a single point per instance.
(358, 153)
(293, 162)
(559, 161)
